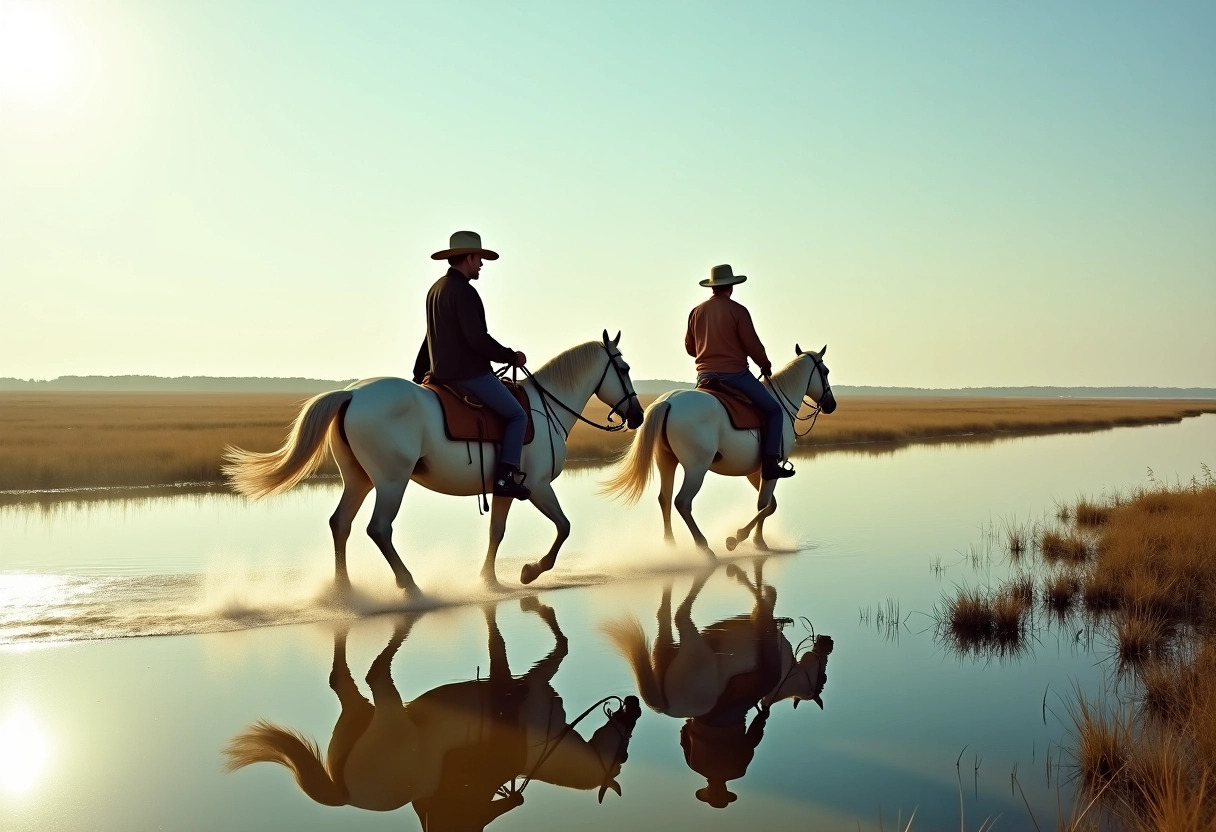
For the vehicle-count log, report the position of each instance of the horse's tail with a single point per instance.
(263, 475)
(635, 466)
(265, 742)
(629, 639)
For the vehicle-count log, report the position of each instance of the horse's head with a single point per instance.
(817, 386)
(807, 678)
(616, 388)
(610, 742)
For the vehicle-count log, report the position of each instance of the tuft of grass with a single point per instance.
(1090, 514)
(970, 615)
(1060, 591)
(1058, 547)
(1141, 635)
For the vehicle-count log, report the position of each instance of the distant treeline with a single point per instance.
(225, 384)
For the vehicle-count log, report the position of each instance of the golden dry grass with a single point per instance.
(74, 440)
(1154, 765)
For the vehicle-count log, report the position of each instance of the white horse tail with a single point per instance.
(263, 475)
(636, 466)
(629, 639)
(266, 742)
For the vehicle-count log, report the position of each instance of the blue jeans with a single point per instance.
(774, 415)
(490, 391)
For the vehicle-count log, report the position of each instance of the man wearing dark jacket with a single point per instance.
(458, 350)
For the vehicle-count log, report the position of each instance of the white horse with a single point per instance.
(691, 428)
(385, 432)
(452, 750)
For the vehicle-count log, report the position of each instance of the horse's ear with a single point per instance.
(818, 700)
(611, 784)
(605, 337)
(797, 350)
(617, 339)
(823, 351)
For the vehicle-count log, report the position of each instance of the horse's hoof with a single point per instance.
(731, 543)
(530, 603)
(734, 571)
(761, 545)
(529, 573)
(492, 583)
(669, 539)
(709, 553)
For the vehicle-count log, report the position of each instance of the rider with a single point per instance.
(721, 337)
(458, 350)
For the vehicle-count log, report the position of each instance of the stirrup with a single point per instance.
(511, 484)
(777, 469)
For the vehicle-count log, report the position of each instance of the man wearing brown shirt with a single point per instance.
(721, 337)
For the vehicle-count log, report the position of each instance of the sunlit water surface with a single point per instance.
(102, 728)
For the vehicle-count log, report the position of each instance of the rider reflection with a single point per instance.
(716, 675)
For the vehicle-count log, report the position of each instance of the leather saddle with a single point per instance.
(468, 420)
(743, 414)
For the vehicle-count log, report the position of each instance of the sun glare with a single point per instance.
(37, 55)
(24, 752)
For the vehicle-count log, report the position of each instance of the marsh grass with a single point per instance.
(1154, 764)
(988, 622)
(77, 440)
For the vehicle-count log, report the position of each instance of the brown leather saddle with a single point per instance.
(468, 420)
(743, 414)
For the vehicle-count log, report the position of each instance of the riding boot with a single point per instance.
(772, 469)
(509, 482)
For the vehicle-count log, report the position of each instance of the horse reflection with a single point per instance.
(714, 676)
(454, 752)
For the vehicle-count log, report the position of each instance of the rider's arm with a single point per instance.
(750, 340)
(422, 365)
(472, 317)
(690, 340)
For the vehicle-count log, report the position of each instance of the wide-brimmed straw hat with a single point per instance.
(723, 275)
(462, 243)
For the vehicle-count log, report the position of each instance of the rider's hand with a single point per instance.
(515, 798)
(766, 370)
(520, 359)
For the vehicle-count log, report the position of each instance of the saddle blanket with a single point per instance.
(466, 420)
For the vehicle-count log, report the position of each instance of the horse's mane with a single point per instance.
(566, 369)
(782, 375)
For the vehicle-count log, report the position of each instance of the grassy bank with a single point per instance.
(75, 440)
(1140, 570)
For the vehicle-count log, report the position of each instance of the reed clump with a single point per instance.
(989, 622)
(1068, 548)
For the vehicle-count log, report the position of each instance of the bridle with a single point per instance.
(792, 410)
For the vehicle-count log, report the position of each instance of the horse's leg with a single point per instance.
(356, 712)
(667, 463)
(498, 528)
(355, 485)
(500, 670)
(545, 669)
(694, 476)
(766, 504)
(380, 675)
(380, 529)
(546, 502)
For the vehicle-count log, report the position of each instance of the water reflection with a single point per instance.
(462, 754)
(714, 676)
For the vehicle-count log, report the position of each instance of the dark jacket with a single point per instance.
(457, 345)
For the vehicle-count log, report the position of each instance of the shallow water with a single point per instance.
(127, 732)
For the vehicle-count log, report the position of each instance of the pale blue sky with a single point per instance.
(948, 194)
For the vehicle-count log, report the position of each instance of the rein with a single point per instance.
(551, 746)
(546, 396)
